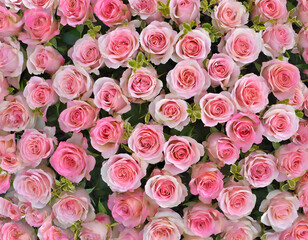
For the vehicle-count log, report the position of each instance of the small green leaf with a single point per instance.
(286, 101)
(299, 113)
(214, 129)
(127, 149)
(147, 118)
(101, 207)
(11, 89)
(132, 63)
(276, 145)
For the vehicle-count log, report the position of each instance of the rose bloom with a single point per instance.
(46, 4)
(187, 79)
(279, 210)
(302, 192)
(96, 229)
(165, 225)
(221, 149)
(195, 45)
(10, 162)
(292, 161)
(72, 207)
(301, 136)
(180, 153)
(242, 44)
(222, 70)
(10, 23)
(71, 82)
(40, 26)
(282, 77)
(108, 96)
(184, 11)
(236, 200)
(7, 144)
(48, 231)
(111, 12)
(34, 186)
(123, 173)
(144, 9)
(206, 181)
(9, 210)
(298, 98)
(36, 217)
(245, 129)
(78, 115)
(302, 11)
(303, 38)
(5, 182)
(119, 46)
(129, 234)
(158, 39)
(280, 122)
(170, 111)
(16, 230)
(14, 5)
(85, 53)
(216, 108)
(147, 142)
(165, 189)
(3, 87)
(299, 230)
(250, 93)
(229, 14)
(141, 85)
(259, 169)
(270, 10)
(131, 208)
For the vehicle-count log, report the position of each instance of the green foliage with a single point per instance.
(164, 9)
(213, 32)
(140, 61)
(194, 112)
(205, 5)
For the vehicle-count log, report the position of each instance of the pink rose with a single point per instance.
(302, 11)
(170, 111)
(216, 108)
(187, 79)
(259, 169)
(184, 11)
(245, 129)
(222, 70)
(305, 103)
(229, 14)
(16, 230)
(49, 232)
(9, 210)
(301, 136)
(7, 144)
(282, 77)
(108, 96)
(236, 201)
(298, 98)
(78, 115)
(123, 173)
(106, 135)
(114, 56)
(129, 234)
(158, 39)
(299, 230)
(10, 23)
(303, 38)
(34, 186)
(111, 12)
(147, 142)
(46, 4)
(280, 122)
(221, 149)
(270, 10)
(144, 9)
(96, 229)
(13, 5)
(10, 162)
(5, 182)
(72, 207)
(206, 181)
(3, 87)
(40, 27)
(165, 189)
(36, 217)
(180, 153)
(250, 93)
(302, 192)
(280, 210)
(71, 82)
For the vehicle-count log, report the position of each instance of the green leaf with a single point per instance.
(71, 37)
(80, 28)
(147, 118)
(11, 89)
(101, 207)
(127, 149)
(299, 113)
(132, 63)
(276, 145)
(214, 129)
(286, 101)
(89, 190)
(140, 57)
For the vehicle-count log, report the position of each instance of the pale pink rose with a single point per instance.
(36, 217)
(131, 208)
(302, 192)
(142, 8)
(46, 4)
(96, 229)
(298, 98)
(123, 173)
(216, 108)
(299, 230)
(279, 210)
(301, 136)
(49, 232)
(282, 77)
(259, 169)
(245, 129)
(305, 55)
(270, 10)
(71, 82)
(10, 162)
(10, 23)
(242, 44)
(16, 230)
(106, 135)
(3, 87)
(72, 207)
(250, 93)
(74, 12)
(195, 45)
(39, 25)
(147, 142)
(222, 70)
(202, 220)
(13, 5)
(269, 235)
(5, 182)
(9, 209)
(221, 149)
(170, 111)
(165, 189)
(165, 225)
(236, 200)
(280, 122)
(229, 14)
(185, 11)
(303, 38)
(119, 46)
(305, 103)
(206, 181)
(43, 59)
(7, 144)
(108, 96)
(302, 12)
(292, 161)
(34, 146)
(158, 40)
(187, 79)
(129, 234)
(180, 153)
(111, 12)
(34, 186)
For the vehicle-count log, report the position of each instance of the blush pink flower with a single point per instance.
(5, 182)
(15, 230)
(301, 136)
(144, 9)
(11, 23)
(270, 10)
(96, 229)
(49, 231)
(185, 11)
(9, 209)
(10, 162)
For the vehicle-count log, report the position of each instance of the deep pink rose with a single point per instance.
(185, 11)
(10, 23)
(16, 230)
(245, 228)
(270, 10)
(5, 182)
